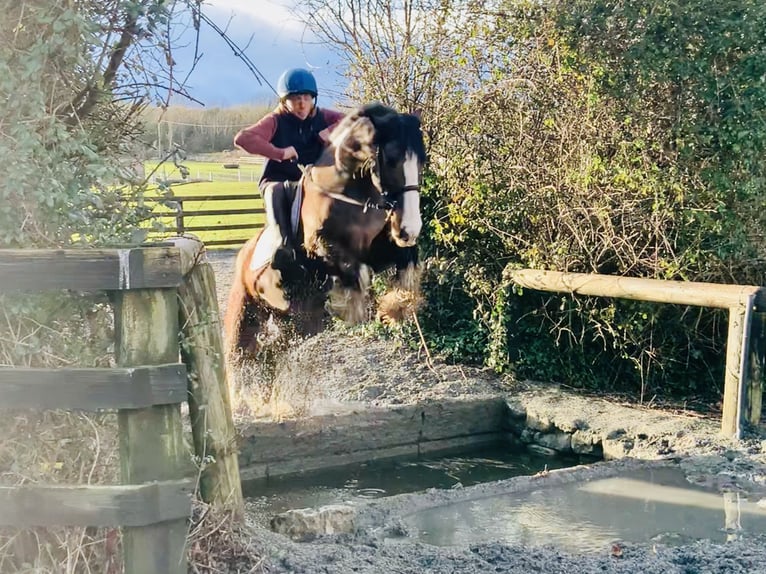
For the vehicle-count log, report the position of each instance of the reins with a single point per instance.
(384, 205)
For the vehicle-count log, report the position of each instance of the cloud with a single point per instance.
(272, 13)
(272, 38)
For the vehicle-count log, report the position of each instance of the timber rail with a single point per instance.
(745, 345)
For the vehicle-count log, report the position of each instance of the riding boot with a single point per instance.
(285, 256)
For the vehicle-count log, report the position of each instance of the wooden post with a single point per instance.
(180, 217)
(756, 372)
(735, 353)
(215, 440)
(151, 439)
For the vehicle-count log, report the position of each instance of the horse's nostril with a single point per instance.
(403, 235)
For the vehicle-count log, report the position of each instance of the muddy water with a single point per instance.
(652, 505)
(385, 478)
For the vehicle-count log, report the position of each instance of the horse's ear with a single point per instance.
(418, 113)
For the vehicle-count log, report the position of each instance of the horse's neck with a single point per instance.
(328, 178)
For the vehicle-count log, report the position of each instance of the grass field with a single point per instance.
(225, 182)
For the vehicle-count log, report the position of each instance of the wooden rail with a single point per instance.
(181, 216)
(153, 503)
(745, 346)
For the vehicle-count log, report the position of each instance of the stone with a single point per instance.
(527, 436)
(616, 448)
(306, 523)
(558, 441)
(539, 422)
(584, 442)
(516, 409)
(543, 450)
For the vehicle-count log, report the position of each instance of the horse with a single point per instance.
(357, 212)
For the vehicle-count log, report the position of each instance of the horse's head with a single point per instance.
(399, 165)
(391, 144)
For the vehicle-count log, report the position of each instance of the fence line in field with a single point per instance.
(180, 216)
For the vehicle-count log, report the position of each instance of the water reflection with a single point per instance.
(650, 506)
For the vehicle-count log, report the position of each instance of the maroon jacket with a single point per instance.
(280, 129)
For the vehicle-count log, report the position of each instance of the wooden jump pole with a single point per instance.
(744, 376)
(215, 440)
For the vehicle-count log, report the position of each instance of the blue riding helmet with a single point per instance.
(296, 81)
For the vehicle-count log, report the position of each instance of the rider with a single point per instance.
(294, 134)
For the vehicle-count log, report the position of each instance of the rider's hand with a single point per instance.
(289, 153)
(324, 135)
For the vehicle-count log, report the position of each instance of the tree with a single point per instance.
(576, 135)
(414, 55)
(78, 75)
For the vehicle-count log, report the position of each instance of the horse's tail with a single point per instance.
(237, 303)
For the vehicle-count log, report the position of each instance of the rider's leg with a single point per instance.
(277, 203)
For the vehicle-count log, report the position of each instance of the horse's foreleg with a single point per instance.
(348, 299)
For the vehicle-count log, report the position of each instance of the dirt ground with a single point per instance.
(332, 372)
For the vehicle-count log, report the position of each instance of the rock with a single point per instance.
(558, 441)
(616, 448)
(306, 523)
(516, 410)
(584, 442)
(371, 393)
(539, 422)
(543, 450)
(527, 436)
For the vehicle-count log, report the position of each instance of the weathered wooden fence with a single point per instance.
(746, 343)
(146, 388)
(182, 216)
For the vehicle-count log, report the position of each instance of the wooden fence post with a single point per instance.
(756, 369)
(732, 415)
(180, 229)
(215, 439)
(151, 439)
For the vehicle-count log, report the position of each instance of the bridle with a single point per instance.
(386, 202)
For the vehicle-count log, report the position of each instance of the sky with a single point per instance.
(272, 38)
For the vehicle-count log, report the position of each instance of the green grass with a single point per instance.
(247, 187)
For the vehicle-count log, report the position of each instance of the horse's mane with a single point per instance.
(398, 133)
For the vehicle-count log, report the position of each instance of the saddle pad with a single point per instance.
(265, 247)
(270, 239)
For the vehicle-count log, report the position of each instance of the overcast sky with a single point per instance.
(275, 40)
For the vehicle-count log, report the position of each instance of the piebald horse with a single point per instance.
(360, 212)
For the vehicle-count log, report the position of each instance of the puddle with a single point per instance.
(386, 478)
(652, 505)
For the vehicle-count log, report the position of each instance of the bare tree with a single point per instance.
(415, 55)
